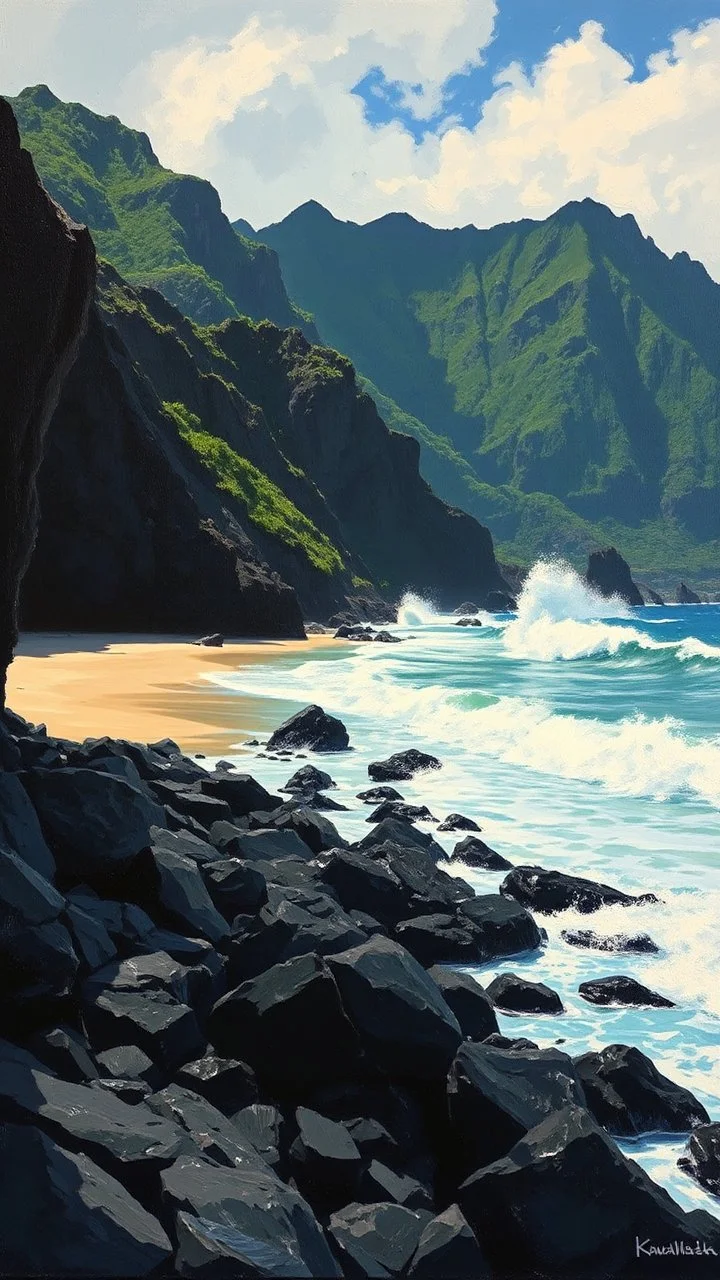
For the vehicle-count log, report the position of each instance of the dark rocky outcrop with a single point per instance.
(628, 1095)
(476, 853)
(685, 595)
(468, 1000)
(47, 273)
(604, 1207)
(517, 995)
(620, 989)
(553, 891)
(458, 822)
(701, 1158)
(633, 943)
(402, 766)
(312, 728)
(448, 1250)
(503, 927)
(609, 574)
(377, 1239)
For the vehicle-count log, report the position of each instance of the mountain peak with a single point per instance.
(41, 95)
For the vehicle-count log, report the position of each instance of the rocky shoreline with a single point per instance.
(235, 1045)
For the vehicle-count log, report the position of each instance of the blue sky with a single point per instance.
(523, 32)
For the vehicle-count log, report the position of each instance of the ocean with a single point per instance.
(581, 735)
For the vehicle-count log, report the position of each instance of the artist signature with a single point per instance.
(673, 1248)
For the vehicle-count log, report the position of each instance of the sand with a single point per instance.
(144, 688)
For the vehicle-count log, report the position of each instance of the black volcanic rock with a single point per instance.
(402, 766)
(457, 822)
(476, 853)
(47, 275)
(377, 1240)
(226, 1083)
(183, 896)
(402, 1020)
(439, 938)
(701, 1157)
(503, 927)
(448, 1250)
(620, 989)
(308, 778)
(375, 795)
(250, 1215)
(235, 887)
(288, 1023)
(517, 995)
(633, 943)
(603, 1203)
(62, 1214)
(324, 1160)
(378, 1184)
(468, 1001)
(20, 829)
(609, 574)
(685, 595)
(312, 728)
(628, 1095)
(401, 811)
(496, 1095)
(362, 882)
(553, 891)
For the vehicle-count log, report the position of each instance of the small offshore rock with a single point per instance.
(475, 853)
(517, 995)
(458, 822)
(402, 766)
(634, 943)
(311, 728)
(620, 989)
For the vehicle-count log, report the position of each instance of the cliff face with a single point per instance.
(182, 462)
(47, 270)
(157, 227)
(609, 574)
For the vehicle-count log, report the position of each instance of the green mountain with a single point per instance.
(156, 227)
(562, 377)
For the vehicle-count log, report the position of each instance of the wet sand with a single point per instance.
(143, 687)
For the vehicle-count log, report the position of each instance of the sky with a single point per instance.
(455, 111)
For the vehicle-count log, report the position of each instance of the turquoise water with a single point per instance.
(581, 735)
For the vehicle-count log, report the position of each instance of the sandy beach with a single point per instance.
(142, 687)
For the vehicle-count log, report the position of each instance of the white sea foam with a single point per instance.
(560, 617)
(415, 611)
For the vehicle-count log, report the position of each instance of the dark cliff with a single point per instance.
(183, 462)
(609, 574)
(47, 269)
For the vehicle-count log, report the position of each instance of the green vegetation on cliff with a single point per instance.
(156, 227)
(267, 506)
(562, 377)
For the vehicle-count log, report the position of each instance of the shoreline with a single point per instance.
(142, 687)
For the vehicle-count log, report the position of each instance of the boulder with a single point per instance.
(308, 778)
(468, 622)
(362, 883)
(438, 939)
(260, 845)
(64, 1052)
(402, 1021)
(518, 1043)
(189, 803)
(37, 957)
(551, 891)
(164, 1027)
(91, 940)
(609, 574)
(311, 728)
(701, 1157)
(225, 1083)
(262, 1125)
(289, 1024)
(198, 849)
(127, 1062)
(214, 1249)
(372, 1139)
(628, 1096)
(606, 1216)
(468, 1001)
(375, 795)
(475, 853)
(241, 792)
(214, 641)
(235, 887)
(496, 1096)
(61, 1214)
(402, 766)
(622, 990)
(94, 822)
(380, 1184)
(518, 995)
(315, 830)
(376, 1240)
(131, 1092)
(324, 1160)
(129, 1141)
(20, 830)
(183, 897)
(259, 1217)
(400, 834)
(685, 595)
(466, 608)
(402, 812)
(502, 927)
(212, 1134)
(448, 1250)
(457, 822)
(632, 943)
